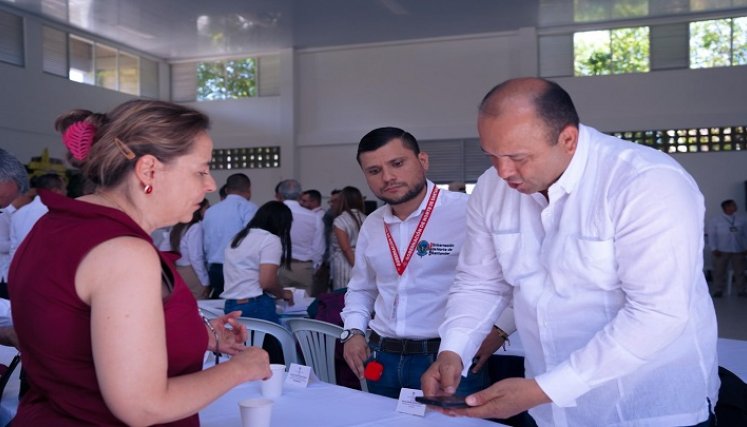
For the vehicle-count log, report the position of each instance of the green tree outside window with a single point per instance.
(230, 79)
(622, 50)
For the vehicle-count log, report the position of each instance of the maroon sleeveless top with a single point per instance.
(54, 325)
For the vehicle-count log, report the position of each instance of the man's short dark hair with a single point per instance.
(377, 138)
(727, 202)
(315, 195)
(238, 183)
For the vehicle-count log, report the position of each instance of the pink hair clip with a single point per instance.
(78, 138)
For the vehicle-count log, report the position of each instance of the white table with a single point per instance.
(326, 405)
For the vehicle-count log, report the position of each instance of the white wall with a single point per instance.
(432, 88)
(329, 98)
(31, 100)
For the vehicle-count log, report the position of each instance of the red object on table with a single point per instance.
(373, 371)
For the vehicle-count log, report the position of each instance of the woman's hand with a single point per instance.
(253, 363)
(230, 341)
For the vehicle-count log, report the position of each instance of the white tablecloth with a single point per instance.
(326, 405)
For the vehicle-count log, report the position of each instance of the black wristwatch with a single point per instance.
(350, 333)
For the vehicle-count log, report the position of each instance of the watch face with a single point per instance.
(345, 334)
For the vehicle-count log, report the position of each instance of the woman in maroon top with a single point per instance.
(109, 333)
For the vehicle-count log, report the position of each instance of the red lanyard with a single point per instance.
(399, 264)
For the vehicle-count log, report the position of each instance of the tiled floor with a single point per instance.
(731, 312)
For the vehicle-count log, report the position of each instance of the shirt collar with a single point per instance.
(390, 218)
(570, 178)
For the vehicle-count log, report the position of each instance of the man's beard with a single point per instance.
(411, 194)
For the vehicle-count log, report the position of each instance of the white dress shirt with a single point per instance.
(241, 264)
(5, 241)
(222, 222)
(607, 285)
(412, 305)
(307, 234)
(190, 247)
(23, 220)
(727, 233)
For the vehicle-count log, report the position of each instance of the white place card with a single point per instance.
(298, 375)
(407, 403)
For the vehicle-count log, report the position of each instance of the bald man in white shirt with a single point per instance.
(598, 243)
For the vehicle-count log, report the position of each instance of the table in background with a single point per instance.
(326, 405)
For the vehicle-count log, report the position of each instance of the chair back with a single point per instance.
(317, 340)
(211, 312)
(5, 377)
(259, 328)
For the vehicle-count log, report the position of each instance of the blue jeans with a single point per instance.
(405, 370)
(261, 307)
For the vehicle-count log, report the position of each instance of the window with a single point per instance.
(718, 43)
(106, 66)
(229, 79)
(129, 73)
(54, 51)
(81, 60)
(695, 140)
(622, 50)
(595, 10)
(11, 38)
(225, 79)
(93, 63)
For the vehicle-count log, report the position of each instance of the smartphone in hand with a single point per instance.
(446, 402)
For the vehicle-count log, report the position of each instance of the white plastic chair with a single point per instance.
(317, 340)
(211, 312)
(259, 328)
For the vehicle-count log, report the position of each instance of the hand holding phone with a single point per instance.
(446, 402)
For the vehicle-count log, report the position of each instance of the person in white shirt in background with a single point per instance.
(23, 220)
(186, 238)
(307, 241)
(408, 295)
(598, 243)
(727, 240)
(14, 186)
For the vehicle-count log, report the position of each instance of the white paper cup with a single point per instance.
(273, 386)
(255, 412)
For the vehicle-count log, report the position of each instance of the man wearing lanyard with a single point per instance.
(727, 239)
(404, 265)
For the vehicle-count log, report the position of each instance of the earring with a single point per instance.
(148, 189)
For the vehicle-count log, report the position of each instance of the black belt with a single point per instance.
(405, 346)
(243, 300)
